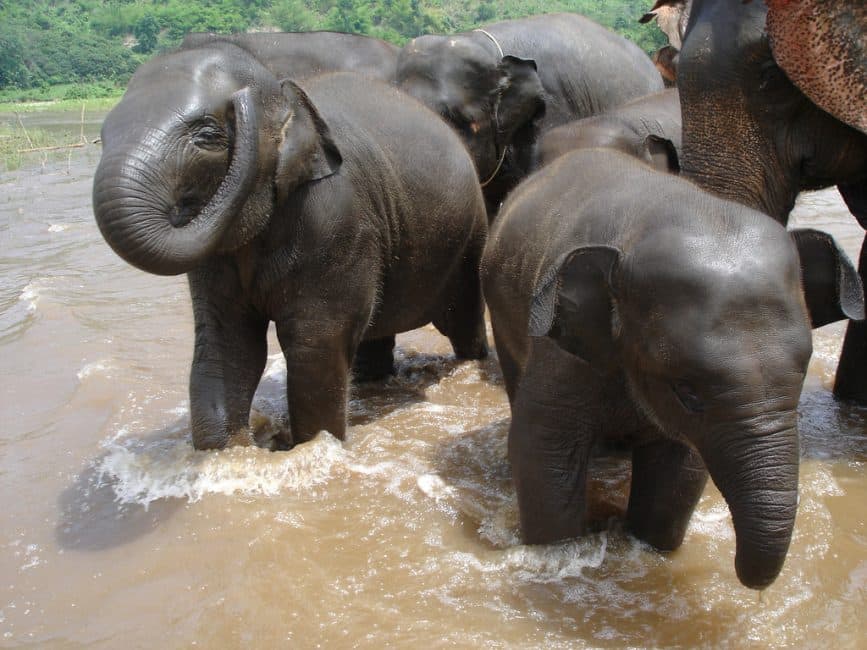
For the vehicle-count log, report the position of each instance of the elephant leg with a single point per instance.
(374, 360)
(230, 353)
(851, 379)
(463, 318)
(318, 358)
(550, 441)
(509, 366)
(667, 481)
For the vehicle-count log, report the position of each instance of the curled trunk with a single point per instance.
(139, 227)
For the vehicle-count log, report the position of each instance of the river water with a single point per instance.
(115, 533)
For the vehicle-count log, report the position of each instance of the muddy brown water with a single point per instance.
(116, 533)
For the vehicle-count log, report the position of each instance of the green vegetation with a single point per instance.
(74, 49)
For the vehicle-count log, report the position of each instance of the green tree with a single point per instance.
(349, 16)
(146, 31)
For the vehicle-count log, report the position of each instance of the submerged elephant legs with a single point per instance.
(851, 378)
(668, 478)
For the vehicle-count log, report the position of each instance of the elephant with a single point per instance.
(751, 135)
(807, 37)
(647, 128)
(344, 211)
(299, 55)
(628, 308)
(671, 16)
(501, 85)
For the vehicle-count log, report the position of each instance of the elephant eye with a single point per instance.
(688, 397)
(209, 135)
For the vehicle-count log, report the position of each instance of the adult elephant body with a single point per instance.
(627, 306)
(501, 85)
(345, 212)
(299, 55)
(751, 135)
(648, 128)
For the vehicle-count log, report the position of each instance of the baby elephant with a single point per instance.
(648, 128)
(344, 211)
(626, 303)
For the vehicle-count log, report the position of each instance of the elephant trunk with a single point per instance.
(757, 472)
(140, 228)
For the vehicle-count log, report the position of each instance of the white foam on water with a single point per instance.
(555, 563)
(96, 367)
(141, 473)
(58, 227)
(713, 522)
(32, 293)
(433, 486)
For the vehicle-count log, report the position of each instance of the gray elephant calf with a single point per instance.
(345, 212)
(632, 305)
(648, 128)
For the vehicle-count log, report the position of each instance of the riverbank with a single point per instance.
(40, 132)
(35, 106)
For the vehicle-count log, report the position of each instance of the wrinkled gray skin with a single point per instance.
(630, 306)
(751, 136)
(556, 68)
(647, 128)
(345, 212)
(299, 55)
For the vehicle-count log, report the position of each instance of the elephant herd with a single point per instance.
(627, 239)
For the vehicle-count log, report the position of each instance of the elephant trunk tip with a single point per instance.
(757, 573)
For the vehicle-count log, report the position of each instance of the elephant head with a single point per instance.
(672, 17)
(198, 152)
(713, 346)
(491, 100)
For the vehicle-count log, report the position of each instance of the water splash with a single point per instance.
(141, 473)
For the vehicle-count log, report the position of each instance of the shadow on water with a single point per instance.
(831, 429)
(94, 517)
(415, 372)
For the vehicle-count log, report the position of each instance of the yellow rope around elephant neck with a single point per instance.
(503, 154)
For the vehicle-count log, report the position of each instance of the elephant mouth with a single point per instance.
(184, 211)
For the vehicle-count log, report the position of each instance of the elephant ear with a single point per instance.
(662, 153)
(573, 305)
(521, 95)
(832, 288)
(305, 149)
(820, 47)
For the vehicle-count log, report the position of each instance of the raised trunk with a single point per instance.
(140, 229)
(756, 469)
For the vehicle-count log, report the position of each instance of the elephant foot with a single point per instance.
(374, 360)
(850, 383)
(477, 348)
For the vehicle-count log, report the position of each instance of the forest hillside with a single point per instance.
(96, 44)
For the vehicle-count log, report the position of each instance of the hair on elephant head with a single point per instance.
(196, 153)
